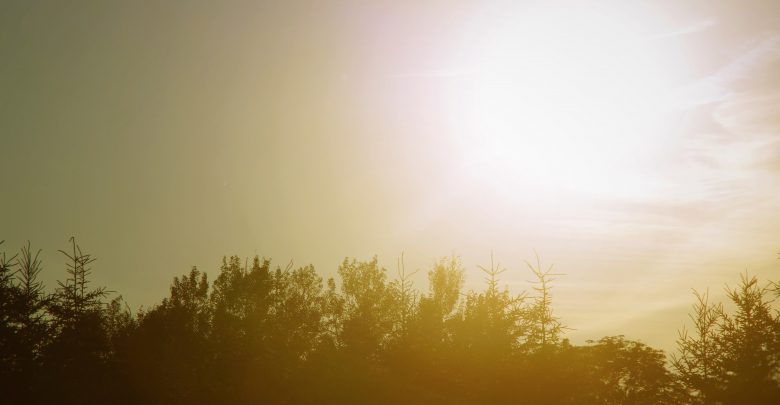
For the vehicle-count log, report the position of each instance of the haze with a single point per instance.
(634, 146)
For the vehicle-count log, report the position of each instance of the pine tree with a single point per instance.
(545, 328)
(9, 338)
(31, 318)
(698, 361)
(749, 343)
(79, 353)
(405, 297)
(487, 329)
(74, 299)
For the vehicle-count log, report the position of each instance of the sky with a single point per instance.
(633, 145)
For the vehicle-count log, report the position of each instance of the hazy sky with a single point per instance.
(635, 145)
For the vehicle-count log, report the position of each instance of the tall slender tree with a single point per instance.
(9, 342)
(31, 318)
(698, 361)
(79, 353)
(75, 299)
(545, 328)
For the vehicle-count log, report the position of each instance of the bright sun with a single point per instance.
(565, 99)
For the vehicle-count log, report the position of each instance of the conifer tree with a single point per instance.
(75, 299)
(9, 342)
(545, 328)
(405, 296)
(749, 343)
(79, 353)
(698, 361)
(32, 325)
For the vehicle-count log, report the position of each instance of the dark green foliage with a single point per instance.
(285, 335)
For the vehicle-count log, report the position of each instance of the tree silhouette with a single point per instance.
(732, 358)
(77, 356)
(750, 343)
(74, 300)
(405, 296)
(296, 326)
(628, 372)
(489, 326)
(420, 356)
(699, 362)
(545, 329)
(29, 317)
(10, 345)
(368, 307)
(257, 335)
(240, 304)
(167, 355)
(431, 329)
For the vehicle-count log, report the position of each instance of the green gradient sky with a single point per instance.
(167, 134)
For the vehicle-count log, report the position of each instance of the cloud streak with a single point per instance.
(692, 28)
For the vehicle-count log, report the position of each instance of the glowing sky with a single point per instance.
(635, 145)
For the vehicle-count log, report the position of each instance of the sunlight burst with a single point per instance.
(564, 99)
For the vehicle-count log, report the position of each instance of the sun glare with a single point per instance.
(564, 99)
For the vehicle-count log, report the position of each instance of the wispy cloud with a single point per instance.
(763, 51)
(692, 28)
(721, 85)
(737, 110)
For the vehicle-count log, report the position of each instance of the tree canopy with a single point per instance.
(264, 333)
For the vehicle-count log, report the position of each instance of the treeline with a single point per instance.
(267, 334)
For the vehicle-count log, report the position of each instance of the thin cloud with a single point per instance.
(719, 86)
(693, 28)
(764, 52)
(733, 133)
